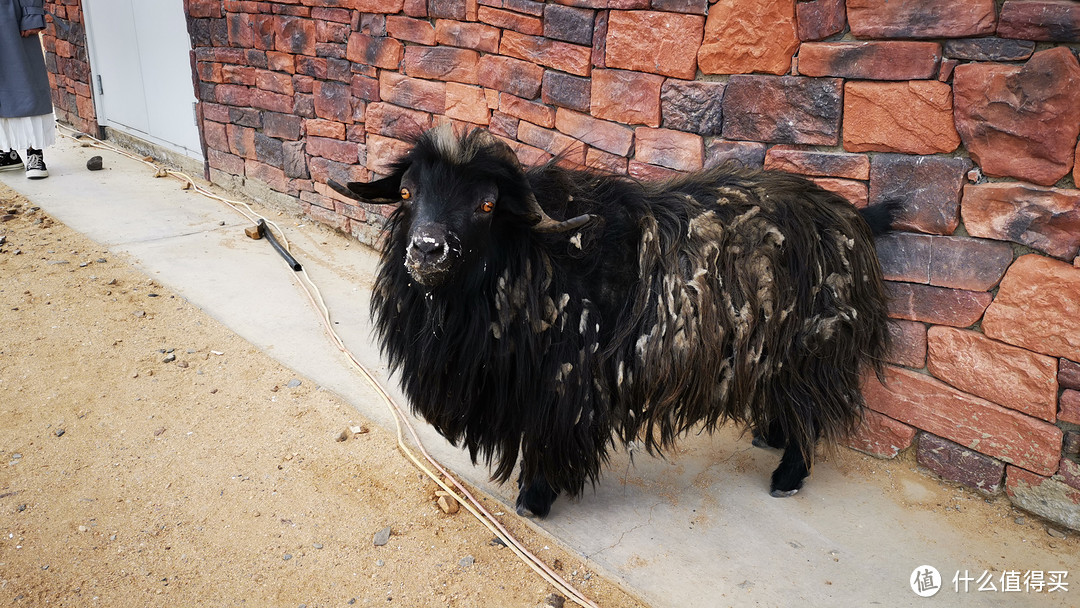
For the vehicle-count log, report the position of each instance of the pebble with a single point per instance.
(1020, 520)
(287, 556)
(60, 432)
(467, 561)
(382, 537)
(169, 358)
(1056, 533)
(181, 363)
(94, 164)
(317, 545)
(293, 383)
(102, 261)
(554, 601)
(379, 563)
(496, 542)
(140, 313)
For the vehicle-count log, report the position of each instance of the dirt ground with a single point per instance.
(151, 457)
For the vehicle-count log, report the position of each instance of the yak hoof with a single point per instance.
(759, 442)
(536, 498)
(783, 493)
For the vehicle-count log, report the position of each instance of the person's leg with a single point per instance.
(35, 164)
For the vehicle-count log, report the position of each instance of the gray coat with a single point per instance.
(24, 83)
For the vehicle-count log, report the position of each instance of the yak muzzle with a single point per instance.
(430, 255)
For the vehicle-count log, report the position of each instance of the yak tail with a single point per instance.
(880, 217)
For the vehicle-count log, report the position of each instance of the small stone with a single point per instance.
(21, 508)
(358, 429)
(380, 563)
(448, 504)
(382, 537)
(496, 542)
(94, 164)
(287, 556)
(169, 358)
(182, 364)
(1020, 521)
(60, 432)
(158, 432)
(317, 545)
(554, 601)
(467, 561)
(83, 529)
(293, 383)
(1056, 533)
(140, 313)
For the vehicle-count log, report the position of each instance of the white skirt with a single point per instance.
(27, 132)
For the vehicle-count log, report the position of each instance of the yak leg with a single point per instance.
(535, 496)
(798, 456)
(770, 437)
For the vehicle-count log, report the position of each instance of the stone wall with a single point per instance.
(965, 111)
(69, 65)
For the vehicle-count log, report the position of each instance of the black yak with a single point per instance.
(727, 295)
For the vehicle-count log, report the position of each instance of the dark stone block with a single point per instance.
(560, 89)
(967, 263)
(690, 7)
(1069, 374)
(746, 153)
(904, 256)
(989, 49)
(928, 189)
(447, 9)
(245, 117)
(783, 109)
(294, 160)
(281, 126)
(269, 150)
(954, 462)
(693, 106)
(568, 23)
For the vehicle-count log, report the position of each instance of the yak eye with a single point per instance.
(405, 194)
(487, 206)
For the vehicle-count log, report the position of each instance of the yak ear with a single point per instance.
(385, 190)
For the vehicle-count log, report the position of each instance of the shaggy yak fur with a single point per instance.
(727, 295)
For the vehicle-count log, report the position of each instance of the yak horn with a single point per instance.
(545, 223)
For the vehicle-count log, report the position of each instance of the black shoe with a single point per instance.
(35, 164)
(10, 161)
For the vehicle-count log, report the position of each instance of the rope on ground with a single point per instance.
(401, 420)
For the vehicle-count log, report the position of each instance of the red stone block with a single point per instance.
(913, 117)
(668, 148)
(447, 9)
(382, 152)
(605, 161)
(908, 343)
(1057, 20)
(425, 95)
(650, 173)
(232, 95)
(655, 42)
(224, 161)
(215, 136)
(1013, 377)
(561, 56)
(743, 37)
(528, 7)
(419, 31)
(396, 122)
(928, 189)
(904, 256)
(536, 113)
(900, 60)
(745, 153)
(1021, 121)
(608, 136)
(503, 125)
(819, 19)
(1069, 374)
(854, 192)
(333, 149)
(442, 63)
(568, 23)
(514, 76)
(530, 156)
(966, 263)
(508, 20)
(466, 103)
(974, 423)
(1047, 219)
(329, 31)
(385, 53)
(1069, 470)
(339, 15)
(783, 109)
(552, 142)
(333, 101)
(1070, 406)
(880, 436)
(241, 140)
(476, 36)
(559, 89)
(389, 7)
(956, 463)
(275, 82)
(946, 71)
(303, 84)
(823, 164)
(938, 305)
(324, 128)
(281, 126)
(204, 8)
(1038, 307)
(365, 88)
(1043, 496)
(626, 97)
(294, 35)
(215, 112)
(920, 18)
(280, 62)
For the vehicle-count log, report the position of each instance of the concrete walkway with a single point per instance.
(697, 529)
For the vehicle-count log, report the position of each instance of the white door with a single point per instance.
(142, 80)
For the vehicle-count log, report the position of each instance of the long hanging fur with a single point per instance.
(727, 295)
